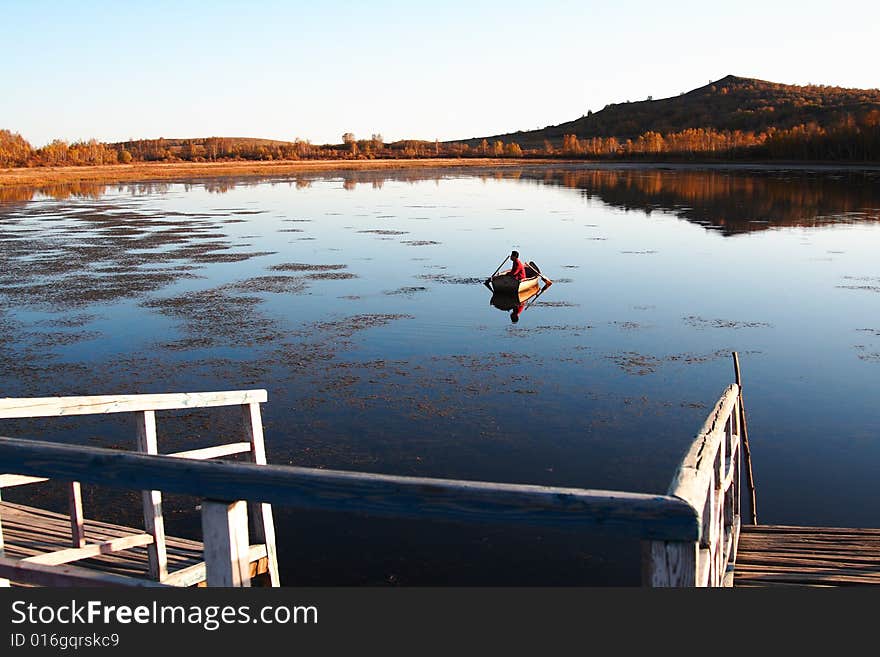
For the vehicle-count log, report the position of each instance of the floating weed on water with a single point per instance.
(229, 257)
(571, 266)
(71, 321)
(331, 276)
(272, 284)
(447, 279)
(702, 323)
(405, 291)
(300, 266)
(644, 307)
(641, 364)
(865, 355)
(635, 363)
(872, 331)
(420, 242)
(639, 252)
(290, 230)
(556, 304)
(629, 326)
(380, 231)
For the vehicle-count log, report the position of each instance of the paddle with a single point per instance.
(546, 280)
(486, 283)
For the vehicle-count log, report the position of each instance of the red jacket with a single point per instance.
(519, 270)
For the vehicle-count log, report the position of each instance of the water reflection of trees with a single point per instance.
(733, 201)
(729, 200)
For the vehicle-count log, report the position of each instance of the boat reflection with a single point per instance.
(516, 304)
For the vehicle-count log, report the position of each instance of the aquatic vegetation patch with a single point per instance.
(300, 266)
(448, 279)
(702, 323)
(331, 276)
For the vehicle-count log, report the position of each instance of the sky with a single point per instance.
(405, 69)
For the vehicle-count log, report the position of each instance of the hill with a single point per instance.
(729, 104)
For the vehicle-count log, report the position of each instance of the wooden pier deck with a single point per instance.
(42, 536)
(783, 555)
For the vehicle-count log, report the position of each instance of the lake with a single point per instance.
(356, 299)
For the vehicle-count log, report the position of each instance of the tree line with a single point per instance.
(854, 138)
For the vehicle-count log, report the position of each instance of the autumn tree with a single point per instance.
(15, 151)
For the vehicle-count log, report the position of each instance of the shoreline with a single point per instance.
(112, 173)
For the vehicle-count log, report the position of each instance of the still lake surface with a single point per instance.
(356, 300)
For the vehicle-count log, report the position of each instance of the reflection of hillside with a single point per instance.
(733, 201)
(729, 200)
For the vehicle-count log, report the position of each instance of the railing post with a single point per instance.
(154, 523)
(669, 564)
(225, 536)
(744, 440)
(77, 530)
(4, 583)
(264, 523)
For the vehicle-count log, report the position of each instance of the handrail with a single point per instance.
(659, 517)
(22, 407)
(708, 480)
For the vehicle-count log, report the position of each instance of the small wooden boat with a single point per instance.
(502, 283)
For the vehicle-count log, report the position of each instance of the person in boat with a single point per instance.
(518, 270)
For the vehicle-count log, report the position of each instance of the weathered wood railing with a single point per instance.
(144, 407)
(689, 534)
(708, 479)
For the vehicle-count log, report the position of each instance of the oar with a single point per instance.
(496, 271)
(546, 280)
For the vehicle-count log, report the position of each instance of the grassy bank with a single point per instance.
(39, 176)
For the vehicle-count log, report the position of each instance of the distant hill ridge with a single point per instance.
(731, 103)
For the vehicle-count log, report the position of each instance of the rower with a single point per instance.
(518, 271)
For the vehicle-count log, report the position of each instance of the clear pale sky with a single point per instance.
(446, 70)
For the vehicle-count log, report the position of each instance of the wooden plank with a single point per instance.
(154, 522)
(225, 533)
(75, 554)
(798, 529)
(809, 560)
(63, 575)
(75, 506)
(193, 575)
(215, 452)
(672, 564)
(260, 512)
(12, 407)
(10, 480)
(620, 513)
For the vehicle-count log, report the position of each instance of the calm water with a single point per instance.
(355, 299)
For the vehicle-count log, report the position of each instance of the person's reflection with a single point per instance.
(514, 314)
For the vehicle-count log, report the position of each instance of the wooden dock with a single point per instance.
(783, 555)
(43, 537)
(692, 536)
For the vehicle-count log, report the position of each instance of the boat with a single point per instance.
(504, 284)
